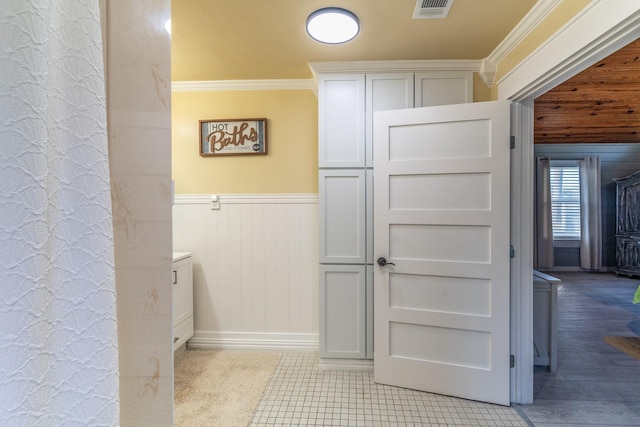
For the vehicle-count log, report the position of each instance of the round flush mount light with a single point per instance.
(333, 25)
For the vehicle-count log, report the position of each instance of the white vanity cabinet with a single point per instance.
(346, 103)
(182, 278)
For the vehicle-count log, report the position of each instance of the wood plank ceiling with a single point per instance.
(599, 105)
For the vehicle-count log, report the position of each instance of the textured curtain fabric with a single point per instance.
(58, 330)
(543, 232)
(591, 216)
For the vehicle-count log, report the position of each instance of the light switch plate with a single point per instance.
(215, 202)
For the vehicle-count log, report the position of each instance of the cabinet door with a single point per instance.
(341, 121)
(342, 311)
(391, 91)
(443, 87)
(342, 216)
(182, 290)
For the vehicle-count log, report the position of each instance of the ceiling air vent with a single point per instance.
(429, 9)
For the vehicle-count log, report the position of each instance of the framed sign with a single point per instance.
(233, 137)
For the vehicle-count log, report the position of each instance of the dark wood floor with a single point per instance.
(595, 384)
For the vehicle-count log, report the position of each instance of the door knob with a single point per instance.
(382, 262)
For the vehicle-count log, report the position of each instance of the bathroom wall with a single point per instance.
(255, 269)
(291, 166)
(256, 257)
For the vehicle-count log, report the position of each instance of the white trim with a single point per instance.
(239, 85)
(594, 33)
(537, 14)
(205, 199)
(532, 19)
(253, 341)
(345, 365)
(522, 242)
(487, 72)
(394, 66)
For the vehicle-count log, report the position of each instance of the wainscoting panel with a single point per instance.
(255, 268)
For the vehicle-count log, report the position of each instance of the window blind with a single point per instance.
(565, 202)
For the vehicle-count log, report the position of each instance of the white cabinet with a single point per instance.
(443, 87)
(182, 298)
(346, 103)
(342, 219)
(389, 91)
(342, 311)
(341, 121)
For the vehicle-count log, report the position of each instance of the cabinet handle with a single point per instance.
(175, 277)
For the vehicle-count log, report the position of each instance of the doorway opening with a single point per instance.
(569, 56)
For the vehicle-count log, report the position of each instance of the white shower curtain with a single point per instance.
(543, 232)
(591, 217)
(58, 330)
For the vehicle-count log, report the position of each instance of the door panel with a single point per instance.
(440, 141)
(441, 219)
(440, 294)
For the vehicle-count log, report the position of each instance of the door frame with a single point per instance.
(596, 32)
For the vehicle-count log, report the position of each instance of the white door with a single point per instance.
(441, 222)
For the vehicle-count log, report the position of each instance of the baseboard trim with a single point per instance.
(346, 365)
(253, 341)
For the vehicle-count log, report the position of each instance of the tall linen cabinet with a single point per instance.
(346, 103)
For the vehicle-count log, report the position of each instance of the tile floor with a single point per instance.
(595, 384)
(300, 394)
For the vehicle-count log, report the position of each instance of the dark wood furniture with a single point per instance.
(628, 225)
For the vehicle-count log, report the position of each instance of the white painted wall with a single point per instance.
(255, 269)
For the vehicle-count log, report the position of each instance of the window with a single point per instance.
(565, 199)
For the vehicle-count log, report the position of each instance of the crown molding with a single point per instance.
(394, 66)
(532, 19)
(241, 85)
(594, 33)
(487, 72)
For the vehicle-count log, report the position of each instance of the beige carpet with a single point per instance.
(628, 345)
(220, 388)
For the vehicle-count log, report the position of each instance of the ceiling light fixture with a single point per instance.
(333, 25)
